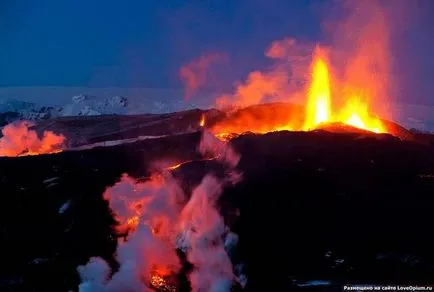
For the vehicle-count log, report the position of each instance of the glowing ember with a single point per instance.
(158, 281)
(132, 222)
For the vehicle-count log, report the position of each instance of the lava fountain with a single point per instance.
(328, 100)
(319, 110)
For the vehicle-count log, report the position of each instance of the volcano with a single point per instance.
(331, 206)
(82, 132)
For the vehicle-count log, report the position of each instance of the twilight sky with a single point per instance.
(143, 43)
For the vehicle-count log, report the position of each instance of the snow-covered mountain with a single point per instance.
(80, 105)
(85, 105)
(151, 101)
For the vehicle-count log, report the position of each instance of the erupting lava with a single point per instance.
(202, 121)
(356, 114)
(319, 108)
(336, 86)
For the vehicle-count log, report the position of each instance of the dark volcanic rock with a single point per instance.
(305, 193)
(260, 118)
(93, 129)
(341, 207)
(36, 224)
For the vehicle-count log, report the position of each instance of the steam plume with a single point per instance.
(19, 140)
(281, 81)
(197, 73)
(156, 222)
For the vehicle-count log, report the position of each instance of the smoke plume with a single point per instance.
(19, 140)
(197, 73)
(361, 54)
(282, 81)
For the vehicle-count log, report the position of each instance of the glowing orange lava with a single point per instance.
(158, 280)
(173, 167)
(318, 109)
(354, 113)
(202, 121)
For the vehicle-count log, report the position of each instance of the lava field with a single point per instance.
(337, 207)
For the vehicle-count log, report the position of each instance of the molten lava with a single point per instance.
(355, 112)
(320, 109)
(202, 121)
(158, 280)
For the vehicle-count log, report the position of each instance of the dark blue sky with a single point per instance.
(143, 43)
(136, 42)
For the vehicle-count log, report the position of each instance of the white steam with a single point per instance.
(157, 222)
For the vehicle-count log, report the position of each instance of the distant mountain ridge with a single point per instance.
(80, 105)
(83, 105)
(411, 116)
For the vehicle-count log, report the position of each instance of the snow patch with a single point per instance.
(116, 142)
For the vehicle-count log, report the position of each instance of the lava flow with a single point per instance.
(202, 121)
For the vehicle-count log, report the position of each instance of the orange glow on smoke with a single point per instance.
(259, 119)
(319, 109)
(196, 73)
(19, 140)
(355, 112)
(346, 82)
